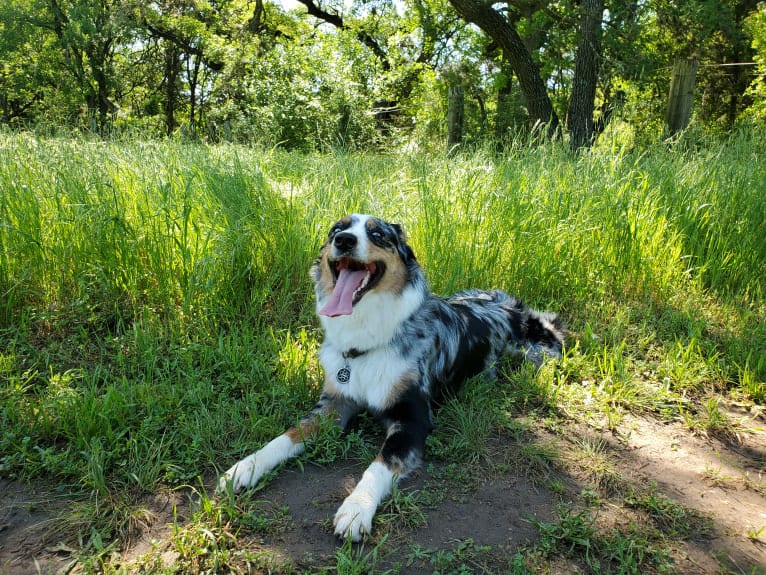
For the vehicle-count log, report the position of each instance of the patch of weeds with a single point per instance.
(202, 547)
(670, 517)
(716, 477)
(754, 534)
(602, 381)
(463, 559)
(262, 521)
(520, 564)
(353, 559)
(621, 551)
(244, 511)
(633, 552)
(95, 524)
(727, 566)
(332, 443)
(599, 384)
(534, 562)
(591, 455)
(753, 387)
(757, 485)
(689, 366)
(209, 543)
(463, 425)
(535, 459)
(573, 532)
(527, 389)
(711, 421)
(591, 497)
(402, 510)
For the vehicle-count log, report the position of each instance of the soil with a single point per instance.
(723, 480)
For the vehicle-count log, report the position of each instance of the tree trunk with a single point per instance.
(503, 116)
(192, 71)
(172, 73)
(106, 108)
(455, 103)
(497, 27)
(582, 100)
(681, 96)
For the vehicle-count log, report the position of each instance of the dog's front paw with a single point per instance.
(354, 518)
(243, 474)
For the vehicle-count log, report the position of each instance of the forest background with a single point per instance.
(314, 74)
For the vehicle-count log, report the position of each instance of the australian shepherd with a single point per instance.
(393, 348)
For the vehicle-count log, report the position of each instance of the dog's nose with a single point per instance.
(345, 241)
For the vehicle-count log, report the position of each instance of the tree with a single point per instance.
(25, 67)
(325, 72)
(581, 103)
(187, 33)
(500, 29)
(756, 28)
(88, 32)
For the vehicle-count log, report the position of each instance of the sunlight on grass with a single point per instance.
(157, 320)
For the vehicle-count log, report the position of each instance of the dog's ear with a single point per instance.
(404, 249)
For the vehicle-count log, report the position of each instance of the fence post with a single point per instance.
(681, 96)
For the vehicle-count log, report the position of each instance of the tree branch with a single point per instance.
(336, 20)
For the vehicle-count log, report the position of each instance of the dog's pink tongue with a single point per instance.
(342, 298)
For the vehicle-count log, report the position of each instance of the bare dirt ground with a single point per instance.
(722, 480)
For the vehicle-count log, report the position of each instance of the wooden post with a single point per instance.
(681, 96)
(455, 104)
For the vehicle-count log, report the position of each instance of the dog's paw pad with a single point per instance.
(353, 519)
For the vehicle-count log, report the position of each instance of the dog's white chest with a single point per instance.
(369, 379)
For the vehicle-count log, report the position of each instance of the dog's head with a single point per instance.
(362, 255)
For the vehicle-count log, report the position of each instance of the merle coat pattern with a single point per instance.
(394, 349)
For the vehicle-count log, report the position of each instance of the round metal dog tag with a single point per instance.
(343, 375)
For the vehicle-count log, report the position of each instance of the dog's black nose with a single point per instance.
(345, 241)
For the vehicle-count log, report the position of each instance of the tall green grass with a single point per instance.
(156, 316)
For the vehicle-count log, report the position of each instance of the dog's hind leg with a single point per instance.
(409, 423)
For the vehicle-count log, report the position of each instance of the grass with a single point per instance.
(156, 318)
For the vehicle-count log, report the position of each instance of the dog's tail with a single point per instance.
(535, 335)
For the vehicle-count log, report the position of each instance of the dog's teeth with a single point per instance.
(365, 281)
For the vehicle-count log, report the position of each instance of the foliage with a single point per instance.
(756, 26)
(355, 76)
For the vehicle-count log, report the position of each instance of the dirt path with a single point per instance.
(725, 480)
(722, 481)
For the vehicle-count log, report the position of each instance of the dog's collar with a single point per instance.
(344, 373)
(353, 353)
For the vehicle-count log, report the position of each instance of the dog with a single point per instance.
(394, 349)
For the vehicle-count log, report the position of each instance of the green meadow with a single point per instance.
(157, 320)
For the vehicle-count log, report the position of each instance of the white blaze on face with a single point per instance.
(359, 229)
(350, 280)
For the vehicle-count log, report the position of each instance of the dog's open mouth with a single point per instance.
(353, 279)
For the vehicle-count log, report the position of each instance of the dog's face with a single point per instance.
(363, 255)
